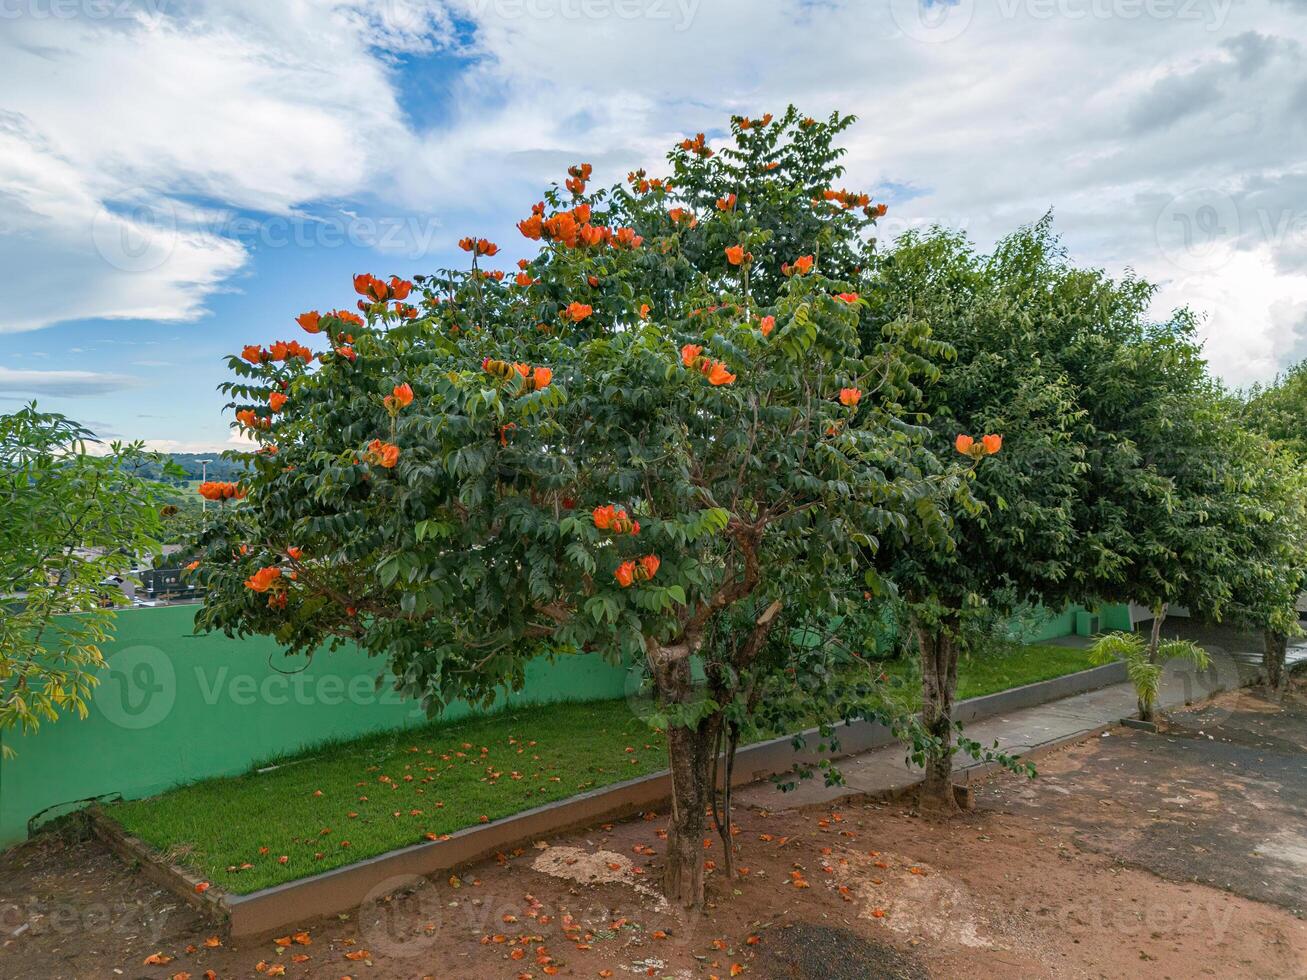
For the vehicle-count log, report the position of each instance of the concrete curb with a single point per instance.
(347, 887)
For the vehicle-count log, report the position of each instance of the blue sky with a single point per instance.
(181, 177)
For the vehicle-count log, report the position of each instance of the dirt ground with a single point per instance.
(1167, 856)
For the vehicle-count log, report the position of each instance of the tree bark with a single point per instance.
(1275, 647)
(691, 751)
(1148, 710)
(938, 649)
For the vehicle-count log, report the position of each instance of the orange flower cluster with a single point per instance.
(277, 401)
(987, 446)
(639, 570)
(726, 203)
(715, 371)
(282, 350)
(747, 123)
(697, 145)
(614, 519)
(849, 397)
(847, 199)
(683, 216)
(347, 353)
(368, 285)
(264, 579)
(573, 229)
(383, 454)
(478, 246)
(643, 184)
(576, 177)
(524, 279)
(400, 397)
(534, 378)
(801, 267)
(576, 312)
(251, 419)
(736, 255)
(217, 490)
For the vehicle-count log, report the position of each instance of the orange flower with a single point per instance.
(581, 213)
(383, 454)
(541, 377)
(524, 279)
(486, 247)
(964, 444)
(689, 353)
(347, 353)
(627, 237)
(348, 317)
(767, 325)
(250, 420)
(254, 354)
(726, 203)
(992, 444)
(648, 567)
(277, 401)
(309, 321)
(625, 574)
(192, 566)
(717, 374)
(400, 288)
(847, 297)
(264, 578)
(366, 284)
(576, 312)
(736, 255)
(400, 397)
(850, 397)
(802, 266)
(295, 551)
(604, 516)
(644, 311)
(531, 227)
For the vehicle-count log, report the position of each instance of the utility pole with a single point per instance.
(204, 478)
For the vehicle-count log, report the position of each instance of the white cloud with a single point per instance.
(65, 384)
(1139, 123)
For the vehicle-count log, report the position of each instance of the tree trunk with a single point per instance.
(1148, 709)
(938, 648)
(691, 751)
(1275, 647)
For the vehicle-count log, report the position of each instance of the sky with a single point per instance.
(179, 177)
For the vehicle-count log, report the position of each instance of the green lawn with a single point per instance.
(344, 802)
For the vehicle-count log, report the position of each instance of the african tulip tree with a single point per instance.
(635, 434)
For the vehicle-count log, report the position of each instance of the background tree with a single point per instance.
(643, 432)
(71, 520)
(1015, 542)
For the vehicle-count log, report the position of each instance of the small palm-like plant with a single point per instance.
(1145, 661)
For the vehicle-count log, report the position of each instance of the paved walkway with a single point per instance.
(885, 769)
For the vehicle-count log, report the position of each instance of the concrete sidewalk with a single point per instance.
(885, 769)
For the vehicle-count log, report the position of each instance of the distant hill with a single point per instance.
(218, 468)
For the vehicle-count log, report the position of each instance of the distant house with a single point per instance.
(165, 584)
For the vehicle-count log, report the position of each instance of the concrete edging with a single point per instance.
(349, 886)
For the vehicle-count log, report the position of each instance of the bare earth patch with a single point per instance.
(1021, 887)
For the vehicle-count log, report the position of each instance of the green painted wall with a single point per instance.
(175, 706)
